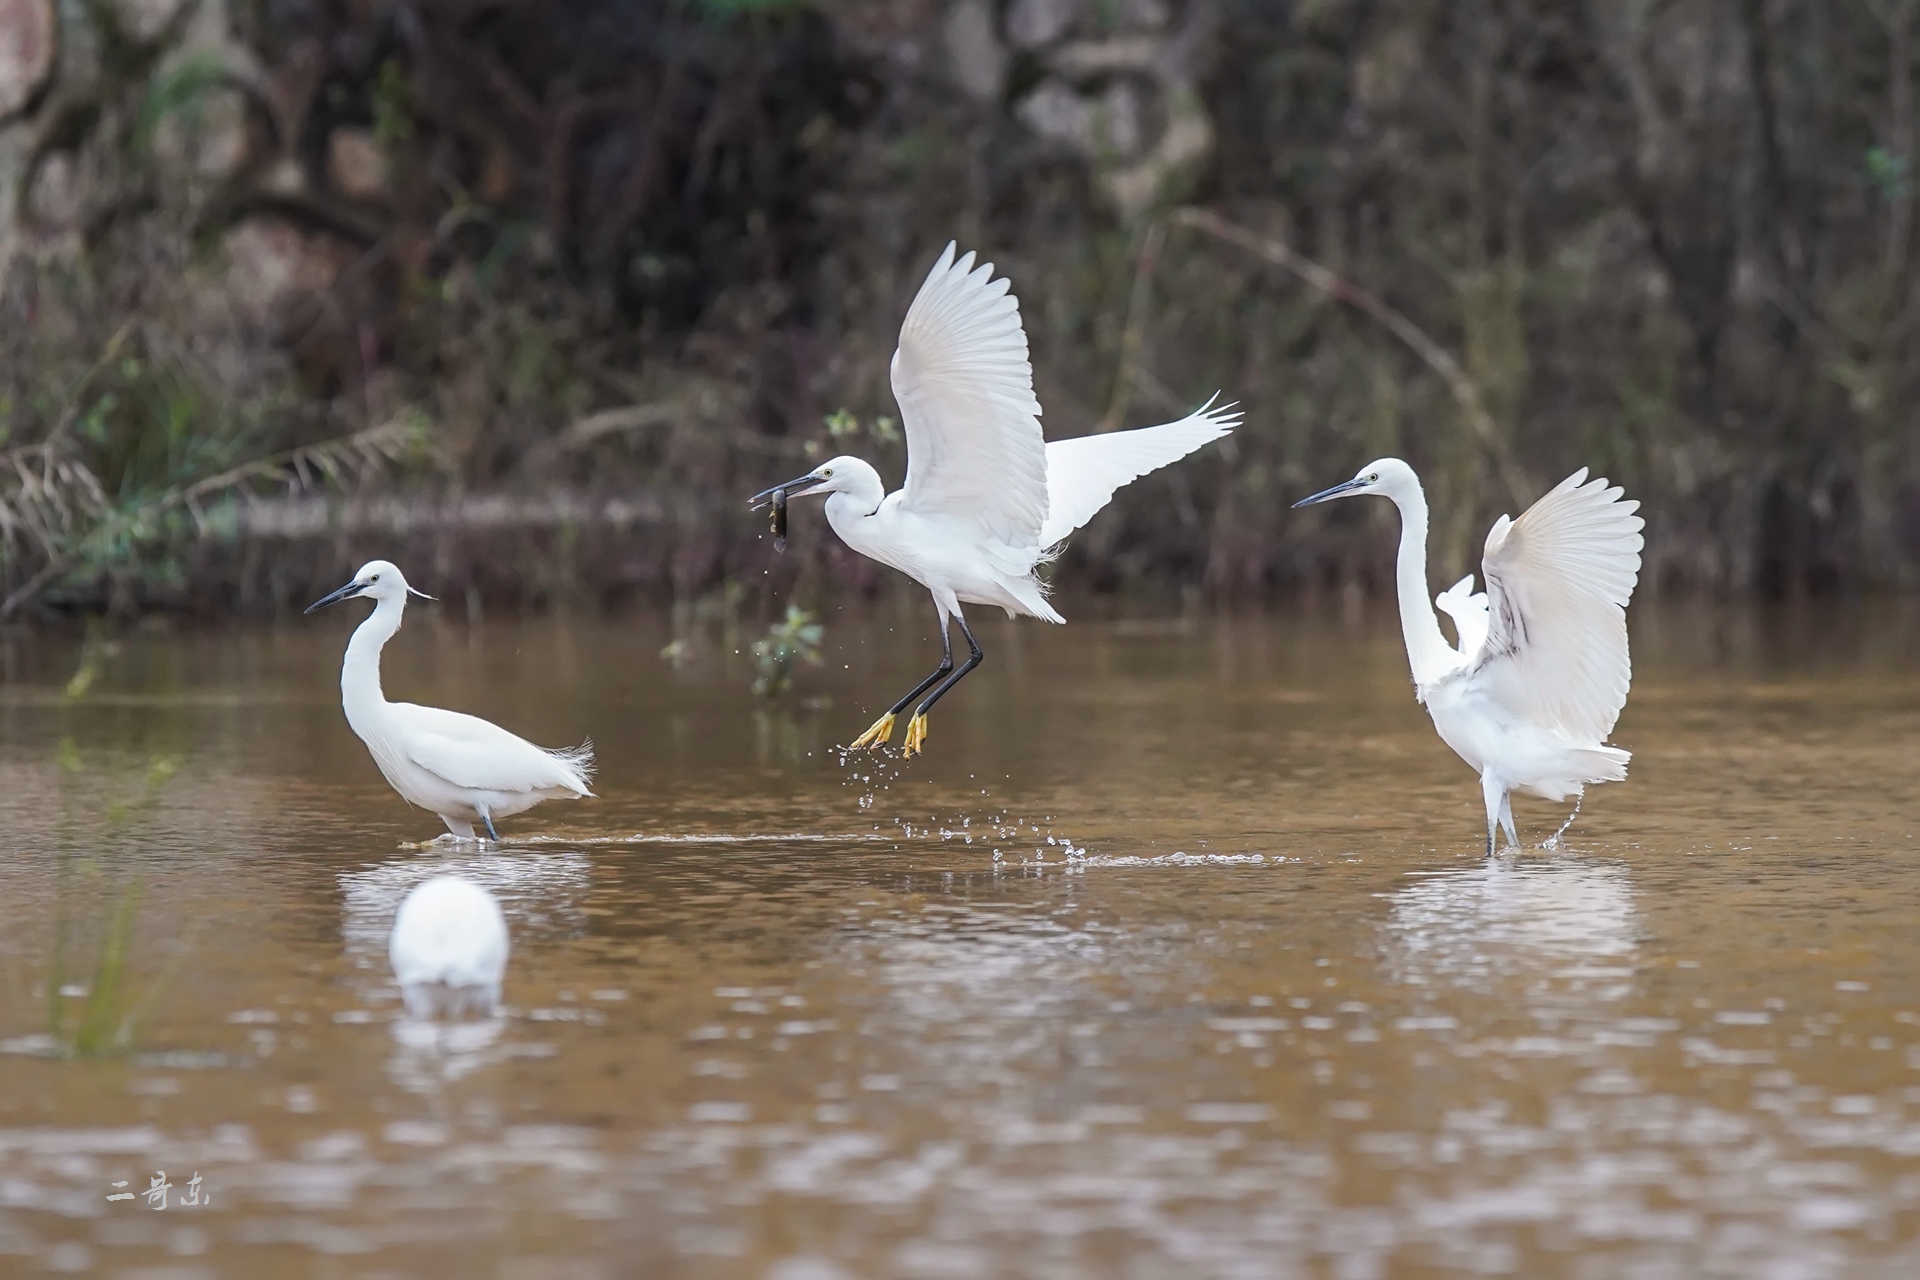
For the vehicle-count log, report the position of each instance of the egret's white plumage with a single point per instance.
(987, 499)
(1083, 473)
(449, 948)
(1541, 672)
(461, 767)
(1468, 609)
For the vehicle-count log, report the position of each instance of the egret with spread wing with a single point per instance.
(461, 767)
(987, 500)
(1537, 682)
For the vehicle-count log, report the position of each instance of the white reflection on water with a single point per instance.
(537, 892)
(429, 1053)
(1004, 1024)
(1570, 920)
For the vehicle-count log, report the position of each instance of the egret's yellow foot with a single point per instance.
(882, 730)
(916, 736)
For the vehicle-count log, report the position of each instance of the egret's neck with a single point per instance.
(1428, 652)
(360, 691)
(847, 508)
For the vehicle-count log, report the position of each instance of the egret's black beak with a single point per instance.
(1338, 491)
(791, 488)
(347, 592)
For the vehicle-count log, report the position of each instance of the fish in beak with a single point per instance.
(776, 497)
(791, 489)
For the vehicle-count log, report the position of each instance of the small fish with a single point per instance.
(779, 519)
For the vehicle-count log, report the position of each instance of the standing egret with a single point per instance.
(458, 766)
(987, 500)
(449, 948)
(1542, 670)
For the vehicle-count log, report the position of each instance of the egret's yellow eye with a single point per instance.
(1374, 478)
(374, 578)
(827, 474)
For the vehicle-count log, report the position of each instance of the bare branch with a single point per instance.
(1437, 358)
(1130, 337)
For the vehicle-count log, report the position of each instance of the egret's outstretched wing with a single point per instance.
(965, 389)
(1083, 473)
(1558, 581)
(1468, 609)
(470, 752)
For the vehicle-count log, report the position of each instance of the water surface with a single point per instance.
(1177, 955)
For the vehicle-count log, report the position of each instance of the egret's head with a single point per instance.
(844, 474)
(1384, 476)
(378, 580)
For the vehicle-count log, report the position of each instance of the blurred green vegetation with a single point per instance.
(96, 996)
(792, 640)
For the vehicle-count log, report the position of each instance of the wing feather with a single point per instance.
(1468, 609)
(974, 447)
(1083, 473)
(470, 752)
(1558, 581)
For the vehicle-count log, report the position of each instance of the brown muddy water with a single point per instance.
(1177, 955)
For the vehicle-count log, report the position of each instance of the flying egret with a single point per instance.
(987, 499)
(1542, 670)
(449, 948)
(458, 766)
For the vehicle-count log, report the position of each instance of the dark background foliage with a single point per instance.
(578, 277)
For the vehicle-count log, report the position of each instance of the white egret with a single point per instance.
(458, 766)
(1537, 682)
(449, 948)
(987, 499)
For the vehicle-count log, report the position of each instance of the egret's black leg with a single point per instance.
(917, 727)
(882, 729)
(1496, 797)
(491, 833)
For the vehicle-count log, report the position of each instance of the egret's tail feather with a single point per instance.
(1602, 764)
(580, 760)
(1031, 595)
(1582, 765)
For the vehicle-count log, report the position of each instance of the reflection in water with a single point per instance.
(449, 948)
(429, 1053)
(1001, 1109)
(1512, 918)
(540, 893)
(807, 1026)
(985, 993)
